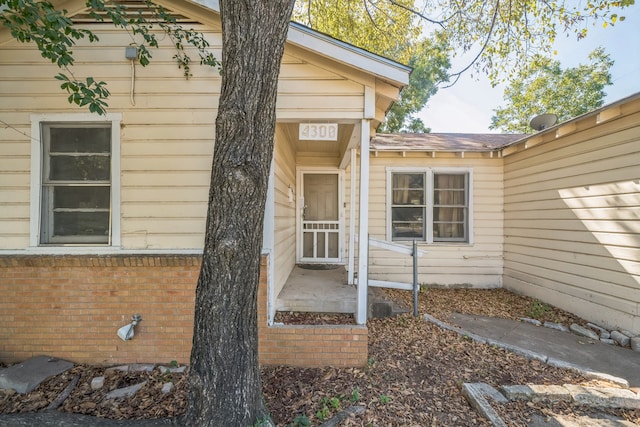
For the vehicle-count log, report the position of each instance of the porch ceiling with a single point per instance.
(345, 130)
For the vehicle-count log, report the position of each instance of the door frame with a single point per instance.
(300, 172)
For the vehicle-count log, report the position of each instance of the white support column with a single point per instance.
(268, 242)
(363, 238)
(352, 218)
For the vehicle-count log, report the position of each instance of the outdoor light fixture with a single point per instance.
(131, 53)
(126, 332)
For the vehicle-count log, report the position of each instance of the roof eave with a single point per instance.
(344, 52)
(330, 47)
(554, 128)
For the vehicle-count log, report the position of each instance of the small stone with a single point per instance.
(125, 392)
(629, 333)
(607, 341)
(550, 393)
(141, 367)
(556, 326)
(620, 338)
(166, 388)
(121, 368)
(26, 376)
(577, 329)
(536, 393)
(97, 383)
(604, 397)
(517, 392)
(599, 329)
(635, 343)
(532, 321)
(477, 394)
(172, 369)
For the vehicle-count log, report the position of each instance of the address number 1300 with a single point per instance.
(319, 131)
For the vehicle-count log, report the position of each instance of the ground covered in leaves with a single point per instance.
(413, 377)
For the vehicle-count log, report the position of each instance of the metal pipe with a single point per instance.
(415, 278)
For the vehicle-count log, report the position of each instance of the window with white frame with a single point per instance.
(429, 205)
(77, 181)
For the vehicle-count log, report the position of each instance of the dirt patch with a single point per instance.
(294, 318)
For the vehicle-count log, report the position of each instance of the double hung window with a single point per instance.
(429, 205)
(75, 201)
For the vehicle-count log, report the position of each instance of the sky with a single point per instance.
(468, 105)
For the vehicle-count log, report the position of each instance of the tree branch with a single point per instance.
(458, 74)
(421, 15)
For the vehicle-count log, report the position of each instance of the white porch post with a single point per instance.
(352, 219)
(363, 238)
(268, 242)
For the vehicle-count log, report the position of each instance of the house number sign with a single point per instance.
(318, 132)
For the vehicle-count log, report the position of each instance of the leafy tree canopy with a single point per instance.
(498, 38)
(503, 37)
(54, 33)
(544, 87)
(393, 32)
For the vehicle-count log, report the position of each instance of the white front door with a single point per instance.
(320, 230)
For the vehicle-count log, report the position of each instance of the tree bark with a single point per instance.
(224, 377)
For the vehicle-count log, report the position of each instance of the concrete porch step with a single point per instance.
(382, 306)
(326, 304)
(324, 290)
(317, 290)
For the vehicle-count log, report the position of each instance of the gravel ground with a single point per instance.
(413, 377)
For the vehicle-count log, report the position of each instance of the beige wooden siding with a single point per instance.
(14, 187)
(458, 264)
(309, 92)
(572, 221)
(166, 137)
(285, 218)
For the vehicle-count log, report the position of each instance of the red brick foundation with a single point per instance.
(71, 307)
(308, 346)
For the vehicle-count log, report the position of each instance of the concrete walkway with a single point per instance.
(553, 347)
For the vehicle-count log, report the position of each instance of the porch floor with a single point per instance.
(317, 290)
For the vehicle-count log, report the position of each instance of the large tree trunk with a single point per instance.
(224, 378)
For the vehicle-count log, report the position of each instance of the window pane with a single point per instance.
(448, 214)
(76, 183)
(80, 140)
(445, 181)
(449, 197)
(408, 180)
(407, 230)
(448, 231)
(80, 168)
(407, 214)
(81, 197)
(408, 197)
(450, 207)
(408, 189)
(81, 224)
(408, 223)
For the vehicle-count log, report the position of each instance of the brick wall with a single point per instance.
(308, 346)
(71, 307)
